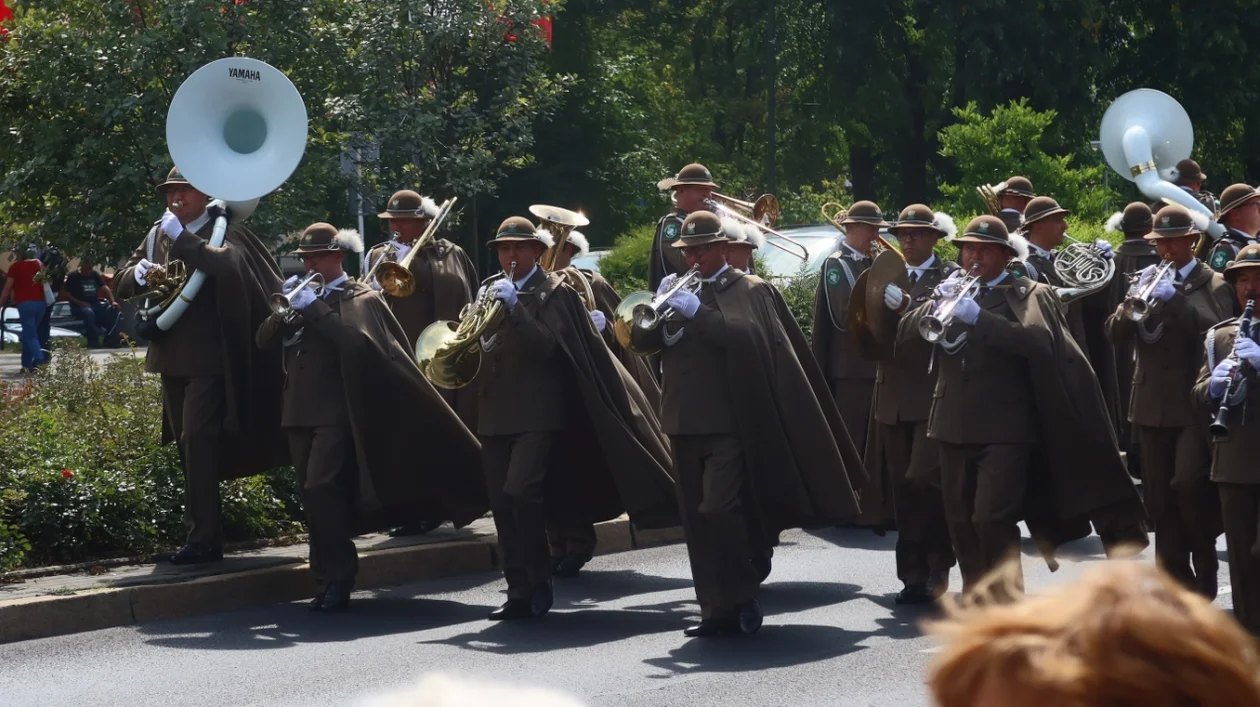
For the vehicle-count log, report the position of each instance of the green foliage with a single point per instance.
(804, 204)
(1011, 141)
(799, 294)
(85, 477)
(626, 265)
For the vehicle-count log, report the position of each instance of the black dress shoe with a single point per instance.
(542, 599)
(316, 603)
(512, 609)
(336, 597)
(762, 566)
(570, 565)
(196, 553)
(713, 627)
(417, 528)
(914, 594)
(749, 618)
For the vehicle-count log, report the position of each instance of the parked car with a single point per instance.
(819, 240)
(11, 325)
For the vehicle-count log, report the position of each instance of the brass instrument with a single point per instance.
(932, 326)
(764, 212)
(560, 223)
(991, 195)
(645, 311)
(1220, 423)
(449, 353)
(1139, 301)
(282, 304)
(162, 284)
(1083, 269)
(395, 277)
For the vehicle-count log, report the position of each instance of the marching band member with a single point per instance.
(1012, 199)
(445, 278)
(690, 188)
(566, 435)
(1010, 381)
(1168, 341)
(903, 399)
(748, 463)
(1190, 177)
(350, 381)
(744, 239)
(220, 394)
(1229, 371)
(1240, 215)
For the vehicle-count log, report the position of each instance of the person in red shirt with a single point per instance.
(28, 294)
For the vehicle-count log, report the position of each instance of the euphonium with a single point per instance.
(645, 311)
(395, 277)
(989, 194)
(449, 353)
(560, 223)
(1083, 269)
(1139, 301)
(282, 304)
(932, 326)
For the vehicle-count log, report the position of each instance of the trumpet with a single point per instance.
(645, 311)
(282, 304)
(449, 353)
(1220, 424)
(1139, 301)
(762, 218)
(932, 326)
(394, 277)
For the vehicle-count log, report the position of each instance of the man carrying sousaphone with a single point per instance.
(566, 435)
(220, 393)
(1164, 322)
(444, 280)
(902, 449)
(689, 188)
(372, 442)
(751, 461)
(1018, 414)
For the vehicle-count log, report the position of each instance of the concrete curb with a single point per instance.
(41, 617)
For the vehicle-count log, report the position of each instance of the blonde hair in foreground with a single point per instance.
(1124, 635)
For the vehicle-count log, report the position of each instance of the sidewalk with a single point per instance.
(105, 597)
(11, 359)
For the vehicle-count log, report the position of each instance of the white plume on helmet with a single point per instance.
(755, 235)
(1020, 244)
(428, 206)
(348, 239)
(545, 236)
(945, 222)
(579, 241)
(1113, 223)
(734, 230)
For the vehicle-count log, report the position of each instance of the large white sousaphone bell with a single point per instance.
(1144, 134)
(236, 129)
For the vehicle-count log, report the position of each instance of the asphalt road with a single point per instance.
(832, 636)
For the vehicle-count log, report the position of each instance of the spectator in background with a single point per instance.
(94, 303)
(55, 266)
(1125, 635)
(27, 291)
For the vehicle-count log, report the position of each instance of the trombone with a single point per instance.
(764, 212)
(282, 304)
(395, 277)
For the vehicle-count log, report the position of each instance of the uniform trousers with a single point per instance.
(983, 487)
(923, 544)
(1240, 510)
(516, 473)
(195, 408)
(713, 490)
(853, 398)
(324, 458)
(1179, 498)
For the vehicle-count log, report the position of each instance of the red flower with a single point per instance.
(66, 473)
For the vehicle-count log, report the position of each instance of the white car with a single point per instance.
(13, 326)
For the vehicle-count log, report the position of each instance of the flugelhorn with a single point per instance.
(282, 303)
(644, 311)
(1140, 298)
(449, 353)
(395, 277)
(932, 326)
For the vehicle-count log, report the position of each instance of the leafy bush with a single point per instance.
(626, 265)
(83, 474)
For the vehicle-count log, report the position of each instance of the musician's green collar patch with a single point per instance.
(833, 276)
(671, 231)
(1219, 259)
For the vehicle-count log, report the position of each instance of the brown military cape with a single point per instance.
(801, 463)
(253, 379)
(607, 300)
(613, 458)
(415, 457)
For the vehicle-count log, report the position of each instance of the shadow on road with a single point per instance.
(857, 538)
(772, 647)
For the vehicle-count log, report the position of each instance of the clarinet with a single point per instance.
(1220, 425)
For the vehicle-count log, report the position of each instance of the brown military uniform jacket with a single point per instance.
(835, 351)
(521, 386)
(1169, 346)
(665, 258)
(445, 281)
(695, 392)
(314, 393)
(1233, 455)
(903, 383)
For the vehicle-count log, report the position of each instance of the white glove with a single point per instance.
(1220, 377)
(1105, 248)
(600, 320)
(1145, 274)
(304, 299)
(1249, 351)
(506, 291)
(967, 310)
(1164, 290)
(949, 286)
(685, 303)
(893, 297)
(288, 284)
(171, 225)
(142, 271)
(666, 283)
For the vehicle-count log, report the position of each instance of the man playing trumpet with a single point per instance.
(350, 382)
(1165, 317)
(220, 394)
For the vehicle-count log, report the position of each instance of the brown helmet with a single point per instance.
(867, 212)
(700, 228)
(1040, 208)
(694, 173)
(1172, 221)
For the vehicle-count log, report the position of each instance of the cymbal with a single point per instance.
(889, 267)
(858, 320)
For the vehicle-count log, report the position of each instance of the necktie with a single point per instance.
(914, 277)
(1179, 279)
(984, 292)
